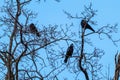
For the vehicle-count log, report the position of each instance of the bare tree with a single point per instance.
(88, 62)
(26, 56)
(117, 66)
(19, 54)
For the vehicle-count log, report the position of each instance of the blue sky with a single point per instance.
(51, 12)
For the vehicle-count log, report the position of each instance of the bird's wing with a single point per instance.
(68, 49)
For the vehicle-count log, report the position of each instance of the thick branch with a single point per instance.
(81, 57)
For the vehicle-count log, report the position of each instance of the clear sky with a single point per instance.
(51, 12)
(108, 13)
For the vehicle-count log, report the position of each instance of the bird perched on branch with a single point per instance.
(34, 30)
(85, 25)
(68, 53)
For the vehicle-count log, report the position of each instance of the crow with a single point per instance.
(68, 53)
(85, 25)
(34, 30)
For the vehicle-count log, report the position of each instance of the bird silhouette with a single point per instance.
(34, 30)
(68, 53)
(85, 25)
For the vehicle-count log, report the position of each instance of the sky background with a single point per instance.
(51, 12)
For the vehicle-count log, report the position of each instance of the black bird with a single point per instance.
(34, 30)
(69, 53)
(85, 25)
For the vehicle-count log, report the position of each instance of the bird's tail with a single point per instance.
(92, 29)
(89, 27)
(65, 60)
(38, 34)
